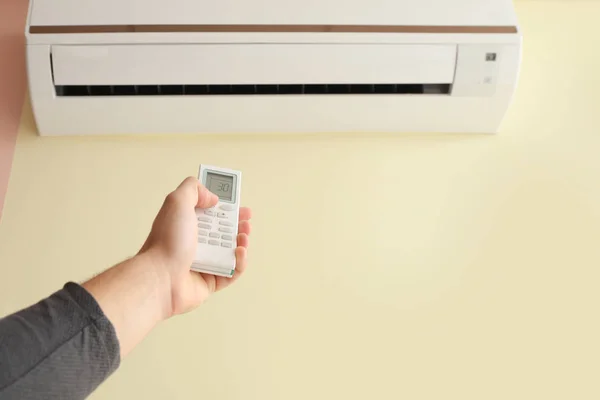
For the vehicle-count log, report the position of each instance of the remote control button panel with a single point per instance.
(216, 225)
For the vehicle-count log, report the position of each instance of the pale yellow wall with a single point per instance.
(385, 267)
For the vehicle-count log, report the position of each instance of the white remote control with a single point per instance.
(218, 226)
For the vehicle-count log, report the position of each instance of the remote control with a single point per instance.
(218, 226)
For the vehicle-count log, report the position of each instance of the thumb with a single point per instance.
(196, 194)
(206, 198)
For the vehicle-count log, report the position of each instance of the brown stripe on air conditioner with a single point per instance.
(271, 29)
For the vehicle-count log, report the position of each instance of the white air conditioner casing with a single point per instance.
(271, 66)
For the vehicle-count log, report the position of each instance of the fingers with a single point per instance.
(245, 214)
(193, 193)
(240, 266)
(241, 260)
(244, 227)
(243, 240)
(241, 257)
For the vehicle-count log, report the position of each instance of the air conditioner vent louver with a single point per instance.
(223, 90)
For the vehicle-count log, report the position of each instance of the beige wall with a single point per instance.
(389, 267)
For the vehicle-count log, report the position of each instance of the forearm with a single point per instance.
(66, 345)
(60, 348)
(135, 296)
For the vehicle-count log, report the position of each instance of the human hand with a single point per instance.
(173, 240)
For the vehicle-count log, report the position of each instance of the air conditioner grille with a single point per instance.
(224, 90)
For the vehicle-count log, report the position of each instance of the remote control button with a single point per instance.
(226, 207)
(227, 237)
(226, 230)
(210, 213)
(205, 219)
(228, 245)
(222, 215)
(201, 240)
(214, 235)
(213, 242)
(226, 223)
(204, 226)
(202, 233)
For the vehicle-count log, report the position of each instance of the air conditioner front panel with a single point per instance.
(252, 64)
(465, 109)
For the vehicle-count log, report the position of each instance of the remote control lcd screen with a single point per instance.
(221, 185)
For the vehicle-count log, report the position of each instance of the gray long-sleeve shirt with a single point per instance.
(60, 348)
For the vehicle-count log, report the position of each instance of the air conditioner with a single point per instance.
(280, 66)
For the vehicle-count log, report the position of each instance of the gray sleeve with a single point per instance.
(60, 348)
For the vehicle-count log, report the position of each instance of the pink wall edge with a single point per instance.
(12, 83)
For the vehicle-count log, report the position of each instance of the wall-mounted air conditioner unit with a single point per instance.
(233, 66)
